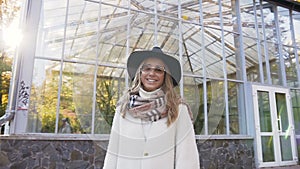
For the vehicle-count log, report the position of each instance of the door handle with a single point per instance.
(279, 124)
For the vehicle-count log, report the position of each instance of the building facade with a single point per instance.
(240, 62)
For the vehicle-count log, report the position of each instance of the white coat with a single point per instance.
(137, 144)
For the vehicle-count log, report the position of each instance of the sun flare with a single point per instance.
(12, 35)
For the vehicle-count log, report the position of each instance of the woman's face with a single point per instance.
(152, 74)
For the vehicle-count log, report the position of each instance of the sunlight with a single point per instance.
(12, 35)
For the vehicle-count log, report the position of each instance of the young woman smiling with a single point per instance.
(152, 127)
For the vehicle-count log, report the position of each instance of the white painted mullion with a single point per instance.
(291, 125)
(180, 46)
(293, 36)
(281, 70)
(128, 41)
(260, 64)
(224, 69)
(203, 62)
(22, 71)
(61, 67)
(96, 70)
(266, 48)
(243, 75)
(275, 127)
(155, 23)
(259, 157)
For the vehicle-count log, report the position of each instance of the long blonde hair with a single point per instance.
(172, 97)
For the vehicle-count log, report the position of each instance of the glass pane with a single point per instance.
(81, 31)
(251, 58)
(286, 148)
(213, 59)
(193, 58)
(192, 33)
(274, 63)
(76, 97)
(231, 40)
(212, 39)
(294, 56)
(236, 108)
(264, 111)
(51, 29)
(191, 93)
(291, 67)
(295, 94)
(251, 49)
(107, 94)
(216, 114)
(112, 35)
(199, 125)
(267, 148)
(43, 100)
(282, 113)
(215, 108)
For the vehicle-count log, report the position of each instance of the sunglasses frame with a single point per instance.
(147, 68)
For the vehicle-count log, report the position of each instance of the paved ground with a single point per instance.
(286, 167)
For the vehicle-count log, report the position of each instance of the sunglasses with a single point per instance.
(159, 70)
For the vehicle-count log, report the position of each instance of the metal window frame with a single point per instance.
(63, 60)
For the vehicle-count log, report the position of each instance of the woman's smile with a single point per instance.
(152, 74)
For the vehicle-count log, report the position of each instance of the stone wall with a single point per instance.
(30, 154)
(17, 153)
(226, 154)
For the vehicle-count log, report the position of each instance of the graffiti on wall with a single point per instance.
(23, 96)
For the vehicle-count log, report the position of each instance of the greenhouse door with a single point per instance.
(274, 127)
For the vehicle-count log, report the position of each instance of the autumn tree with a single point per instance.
(9, 10)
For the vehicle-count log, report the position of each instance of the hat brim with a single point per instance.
(137, 57)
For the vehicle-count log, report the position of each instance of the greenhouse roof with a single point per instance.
(114, 29)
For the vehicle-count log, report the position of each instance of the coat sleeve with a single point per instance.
(187, 155)
(111, 156)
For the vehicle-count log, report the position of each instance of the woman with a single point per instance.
(152, 128)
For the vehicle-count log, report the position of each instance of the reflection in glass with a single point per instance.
(104, 33)
(191, 93)
(282, 113)
(76, 96)
(283, 123)
(267, 148)
(264, 111)
(107, 94)
(236, 117)
(43, 100)
(199, 124)
(216, 123)
(286, 148)
(216, 115)
(295, 94)
(291, 67)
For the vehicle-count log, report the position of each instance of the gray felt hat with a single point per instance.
(137, 57)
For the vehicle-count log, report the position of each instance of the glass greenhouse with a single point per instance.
(240, 62)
